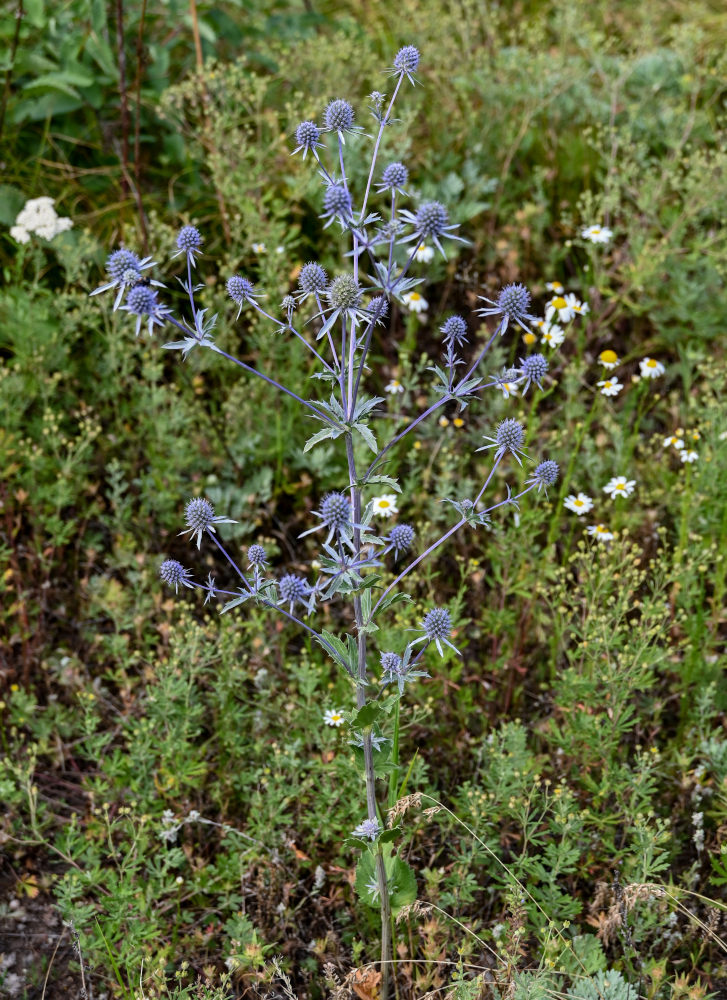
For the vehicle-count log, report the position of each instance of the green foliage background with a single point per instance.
(584, 727)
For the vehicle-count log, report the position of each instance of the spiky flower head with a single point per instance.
(312, 278)
(510, 435)
(174, 574)
(368, 830)
(454, 330)
(390, 663)
(379, 308)
(200, 517)
(534, 368)
(344, 292)
(432, 219)
(394, 177)
(406, 60)
(510, 375)
(141, 300)
(437, 624)
(336, 510)
(124, 269)
(337, 202)
(199, 514)
(293, 588)
(288, 305)
(545, 474)
(514, 301)
(256, 555)
(240, 290)
(307, 136)
(401, 537)
(121, 261)
(189, 241)
(338, 116)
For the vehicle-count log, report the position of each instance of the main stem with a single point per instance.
(385, 905)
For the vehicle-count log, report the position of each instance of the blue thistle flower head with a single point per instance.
(121, 261)
(513, 303)
(394, 177)
(336, 510)
(199, 514)
(344, 293)
(312, 278)
(379, 308)
(307, 135)
(141, 300)
(454, 330)
(256, 555)
(293, 588)
(189, 241)
(337, 203)
(288, 305)
(368, 830)
(124, 269)
(391, 663)
(174, 574)
(400, 538)
(432, 219)
(406, 61)
(338, 116)
(437, 624)
(510, 435)
(545, 474)
(534, 368)
(240, 290)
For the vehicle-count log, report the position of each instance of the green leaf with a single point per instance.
(368, 437)
(367, 716)
(341, 652)
(327, 432)
(400, 879)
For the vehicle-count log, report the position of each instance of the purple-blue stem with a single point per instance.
(432, 547)
(384, 122)
(263, 600)
(253, 371)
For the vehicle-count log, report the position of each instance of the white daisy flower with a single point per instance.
(394, 386)
(619, 486)
(280, 249)
(597, 234)
(673, 442)
(552, 335)
(651, 368)
(333, 717)
(558, 305)
(609, 359)
(579, 504)
(424, 253)
(385, 505)
(578, 307)
(600, 531)
(555, 287)
(688, 456)
(259, 248)
(415, 302)
(610, 387)
(508, 389)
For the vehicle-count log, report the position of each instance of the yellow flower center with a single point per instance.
(458, 422)
(414, 297)
(529, 338)
(578, 503)
(559, 302)
(608, 357)
(650, 363)
(422, 246)
(595, 230)
(556, 286)
(384, 503)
